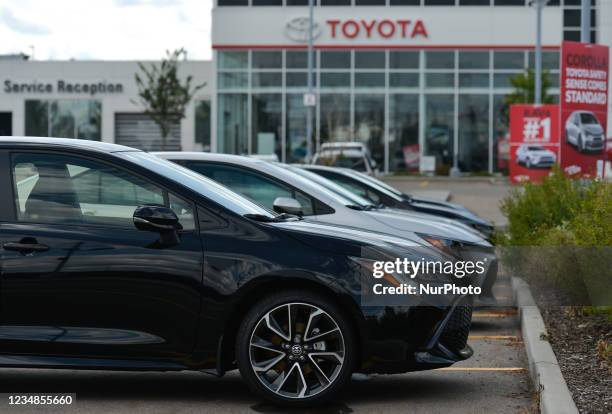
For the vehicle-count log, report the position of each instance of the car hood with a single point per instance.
(593, 129)
(445, 208)
(542, 153)
(396, 223)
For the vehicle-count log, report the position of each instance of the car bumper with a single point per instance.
(419, 338)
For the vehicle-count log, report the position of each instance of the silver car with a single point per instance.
(583, 130)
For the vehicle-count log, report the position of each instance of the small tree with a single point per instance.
(524, 88)
(162, 94)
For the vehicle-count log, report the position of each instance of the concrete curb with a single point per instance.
(544, 370)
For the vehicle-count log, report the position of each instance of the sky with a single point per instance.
(105, 29)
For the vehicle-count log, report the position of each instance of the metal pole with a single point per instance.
(309, 109)
(585, 21)
(538, 52)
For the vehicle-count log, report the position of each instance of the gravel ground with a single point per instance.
(574, 339)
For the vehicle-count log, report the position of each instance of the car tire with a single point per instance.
(298, 364)
(580, 143)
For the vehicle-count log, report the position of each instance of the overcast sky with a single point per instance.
(105, 29)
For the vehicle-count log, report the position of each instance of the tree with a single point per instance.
(524, 88)
(161, 92)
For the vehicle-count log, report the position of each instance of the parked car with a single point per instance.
(583, 130)
(353, 155)
(115, 259)
(285, 189)
(535, 156)
(378, 192)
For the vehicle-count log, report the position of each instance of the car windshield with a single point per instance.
(378, 183)
(587, 118)
(349, 158)
(330, 185)
(535, 148)
(205, 186)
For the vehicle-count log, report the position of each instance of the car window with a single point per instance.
(354, 187)
(257, 187)
(60, 189)
(587, 118)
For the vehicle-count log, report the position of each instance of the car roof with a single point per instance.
(342, 145)
(66, 143)
(207, 156)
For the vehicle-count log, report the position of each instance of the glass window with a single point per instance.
(258, 187)
(267, 60)
(369, 80)
(474, 2)
(266, 119)
(202, 124)
(474, 133)
(232, 133)
(298, 2)
(370, 2)
(369, 60)
(439, 130)
(299, 60)
(335, 79)
(299, 79)
(59, 189)
(267, 79)
(66, 118)
(335, 2)
(404, 80)
(296, 146)
(509, 2)
(403, 60)
(473, 80)
(335, 118)
(233, 80)
(233, 2)
(550, 60)
(571, 18)
(404, 132)
(439, 2)
(440, 80)
(501, 135)
(502, 80)
(405, 2)
(508, 60)
(233, 60)
(370, 124)
(267, 2)
(335, 60)
(474, 60)
(440, 60)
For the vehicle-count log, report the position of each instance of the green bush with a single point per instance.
(560, 233)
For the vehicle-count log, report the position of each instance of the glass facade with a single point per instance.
(67, 118)
(402, 103)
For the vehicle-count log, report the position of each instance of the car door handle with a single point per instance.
(25, 247)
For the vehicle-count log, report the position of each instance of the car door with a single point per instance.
(78, 279)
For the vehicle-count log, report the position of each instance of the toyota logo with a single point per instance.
(297, 29)
(296, 350)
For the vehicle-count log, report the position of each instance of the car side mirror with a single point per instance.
(287, 205)
(160, 219)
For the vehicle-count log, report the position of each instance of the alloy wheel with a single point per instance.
(297, 350)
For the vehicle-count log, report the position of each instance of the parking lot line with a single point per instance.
(483, 369)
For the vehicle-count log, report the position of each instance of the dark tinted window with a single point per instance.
(257, 187)
(353, 186)
(233, 2)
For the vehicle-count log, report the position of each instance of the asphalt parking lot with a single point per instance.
(493, 380)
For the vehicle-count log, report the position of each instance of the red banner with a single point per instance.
(534, 141)
(584, 106)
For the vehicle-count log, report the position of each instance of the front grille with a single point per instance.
(456, 332)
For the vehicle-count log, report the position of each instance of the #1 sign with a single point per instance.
(534, 141)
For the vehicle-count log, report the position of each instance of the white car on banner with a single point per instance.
(583, 130)
(535, 156)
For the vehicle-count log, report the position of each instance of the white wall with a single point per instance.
(94, 72)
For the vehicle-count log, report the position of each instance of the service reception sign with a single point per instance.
(584, 106)
(534, 141)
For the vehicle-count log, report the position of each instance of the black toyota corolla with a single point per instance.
(114, 259)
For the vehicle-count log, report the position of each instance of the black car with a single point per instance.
(380, 193)
(114, 259)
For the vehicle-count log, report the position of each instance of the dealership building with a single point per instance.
(409, 78)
